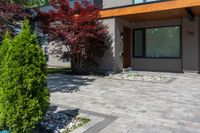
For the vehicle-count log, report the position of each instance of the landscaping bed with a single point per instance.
(136, 76)
(61, 121)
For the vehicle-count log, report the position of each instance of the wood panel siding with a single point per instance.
(161, 15)
(159, 10)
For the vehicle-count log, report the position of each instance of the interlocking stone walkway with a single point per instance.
(141, 107)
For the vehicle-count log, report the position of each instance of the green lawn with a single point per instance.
(58, 70)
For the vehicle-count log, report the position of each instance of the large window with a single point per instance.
(144, 1)
(162, 42)
(96, 2)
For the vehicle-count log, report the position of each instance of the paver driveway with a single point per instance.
(145, 107)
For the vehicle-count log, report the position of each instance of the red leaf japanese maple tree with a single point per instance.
(79, 29)
(10, 14)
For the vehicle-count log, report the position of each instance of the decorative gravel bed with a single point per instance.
(61, 122)
(135, 76)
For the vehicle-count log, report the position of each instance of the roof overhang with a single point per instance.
(155, 11)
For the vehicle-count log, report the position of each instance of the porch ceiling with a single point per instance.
(162, 15)
(157, 11)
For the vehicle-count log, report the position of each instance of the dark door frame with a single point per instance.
(127, 47)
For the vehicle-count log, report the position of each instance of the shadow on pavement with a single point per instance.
(67, 83)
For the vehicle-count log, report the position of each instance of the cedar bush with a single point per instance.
(4, 46)
(3, 49)
(24, 96)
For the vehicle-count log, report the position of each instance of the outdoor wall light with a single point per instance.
(122, 35)
(121, 53)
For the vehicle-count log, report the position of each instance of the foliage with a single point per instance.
(3, 49)
(5, 45)
(36, 3)
(80, 123)
(24, 96)
(29, 3)
(79, 29)
(10, 14)
(65, 70)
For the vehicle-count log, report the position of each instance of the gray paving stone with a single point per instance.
(142, 107)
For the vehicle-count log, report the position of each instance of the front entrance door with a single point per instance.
(127, 47)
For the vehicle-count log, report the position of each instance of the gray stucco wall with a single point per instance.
(161, 23)
(115, 3)
(199, 44)
(106, 63)
(190, 44)
(120, 23)
(112, 59)
(167, 65)
(57, 62)
(54, 60)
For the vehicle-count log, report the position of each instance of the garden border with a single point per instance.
(108, 119)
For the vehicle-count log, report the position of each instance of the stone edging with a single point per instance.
(108, 119)
(169, 80)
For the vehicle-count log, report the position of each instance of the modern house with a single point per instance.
(152, 35)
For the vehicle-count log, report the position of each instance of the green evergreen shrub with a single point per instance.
(24, 96)
(3, 49)
(4, 46)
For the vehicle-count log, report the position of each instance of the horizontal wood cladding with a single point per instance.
(151, 16)
(174, 5)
